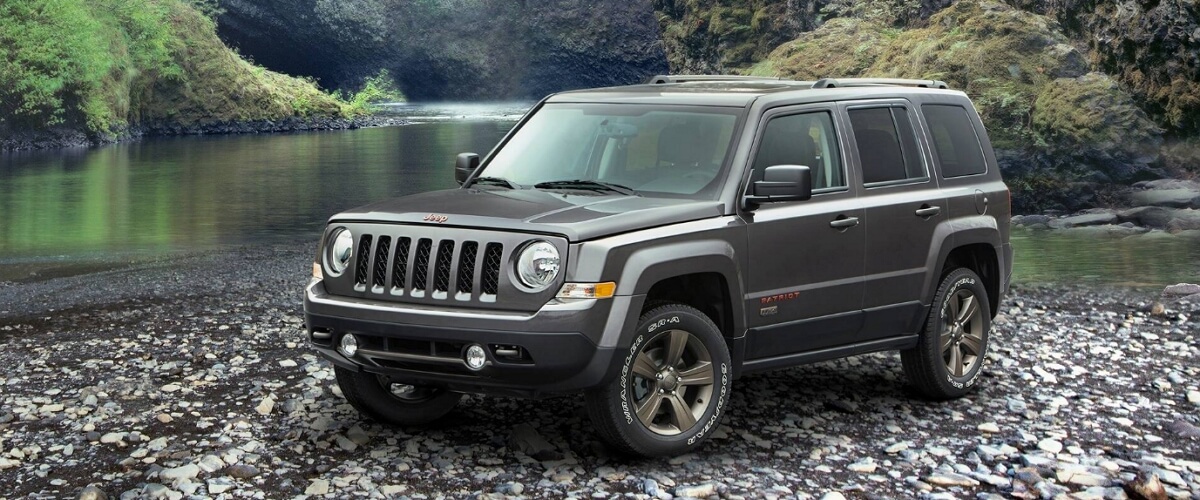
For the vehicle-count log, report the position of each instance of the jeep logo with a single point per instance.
(436, 218)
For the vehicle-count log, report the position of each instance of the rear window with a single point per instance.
(887, 145)
(954, 140)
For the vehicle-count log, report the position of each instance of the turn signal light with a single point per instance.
(317, 271)
(588, 290)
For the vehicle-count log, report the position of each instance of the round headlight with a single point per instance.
(340, 251)
(538, 265)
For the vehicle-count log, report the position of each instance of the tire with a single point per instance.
(681, 410)
(952, 347)
(383, 402)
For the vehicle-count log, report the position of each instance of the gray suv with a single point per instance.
(647, 245)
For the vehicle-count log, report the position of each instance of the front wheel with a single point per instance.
(949, 355)
(396, 404)
(672, 389)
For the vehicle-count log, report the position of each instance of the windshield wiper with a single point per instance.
(588, 185)
(495, 181)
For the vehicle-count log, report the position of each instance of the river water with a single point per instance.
(166, 195)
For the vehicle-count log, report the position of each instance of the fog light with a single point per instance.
(349, 345)
(475, 357)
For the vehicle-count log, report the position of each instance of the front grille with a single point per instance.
(441, 278)
(420, 267)
(405, 266)
(360, 269)
(381, 260)
(491, 268)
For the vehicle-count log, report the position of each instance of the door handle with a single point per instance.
(928, 211)
(844, 222)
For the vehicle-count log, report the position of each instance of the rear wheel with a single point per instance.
(672, 389)
(377, 397)
(949, 355)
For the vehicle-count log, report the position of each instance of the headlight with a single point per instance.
(337, 255)
(538, 265)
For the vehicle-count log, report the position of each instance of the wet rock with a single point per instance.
(219, 485)
(988, 427)
(1182, 289)
(92, 492)
(1050, 446)
(317, 487)
(264, 408)
(1093, 219)
(242, 471)
(1145, 487)
(526, 439)
(188, 471)
(1184, 428)
(1172, 198)
(697, 491)
(949, 479)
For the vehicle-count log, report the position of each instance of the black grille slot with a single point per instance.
(360, 269)
(381, 260)
(466, 267)
(421, 264)
(441, 278)
(400, 263)
(491, 268)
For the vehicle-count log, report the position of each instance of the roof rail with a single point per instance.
(661, 79)
(829, 83)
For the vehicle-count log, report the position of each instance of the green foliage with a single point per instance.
(102, 65)
(883, 12)
(376, 89)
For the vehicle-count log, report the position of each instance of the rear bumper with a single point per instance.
(562, 348)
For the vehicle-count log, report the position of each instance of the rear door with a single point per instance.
(805, 261)
(904, 208)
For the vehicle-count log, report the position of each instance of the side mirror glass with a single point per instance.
(782, 183)
(464, 166)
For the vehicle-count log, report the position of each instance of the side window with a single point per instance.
(887, 145)
(954, 140)
(803, 139)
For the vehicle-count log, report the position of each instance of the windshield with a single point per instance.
(653, 150)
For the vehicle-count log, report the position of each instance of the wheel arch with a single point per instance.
(702, 274)
(976, 250)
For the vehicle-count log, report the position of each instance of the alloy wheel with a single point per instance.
(673, 384)
(961, 338)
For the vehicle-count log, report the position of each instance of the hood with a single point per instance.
(577, 215)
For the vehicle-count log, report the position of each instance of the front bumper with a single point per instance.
(562, 348)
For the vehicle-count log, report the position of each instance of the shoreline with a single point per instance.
(63, 138)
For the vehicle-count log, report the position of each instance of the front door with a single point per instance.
(806, 258)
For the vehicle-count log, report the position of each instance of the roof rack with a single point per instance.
(661, 79)
(829, 83)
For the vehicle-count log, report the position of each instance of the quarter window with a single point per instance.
(954, 140)
(806, 139)
(887, 145)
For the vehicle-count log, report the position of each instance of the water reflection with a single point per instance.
(196, 192)
(1146, 260)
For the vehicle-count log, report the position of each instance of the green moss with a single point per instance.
(841, 47)
(103, 65)
(1090, 109)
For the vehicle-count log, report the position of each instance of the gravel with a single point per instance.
(190, 377)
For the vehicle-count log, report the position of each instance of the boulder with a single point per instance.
(1092, 219)
(1174, 198)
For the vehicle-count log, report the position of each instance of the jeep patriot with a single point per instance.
(647, 245)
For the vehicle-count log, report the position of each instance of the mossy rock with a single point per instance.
(841, 47)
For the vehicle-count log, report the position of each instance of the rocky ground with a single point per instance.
(188, 376)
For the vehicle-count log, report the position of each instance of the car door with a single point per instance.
(805, 261)
(904, 208)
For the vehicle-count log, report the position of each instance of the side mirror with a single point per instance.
(464, 166)
(782, 183)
